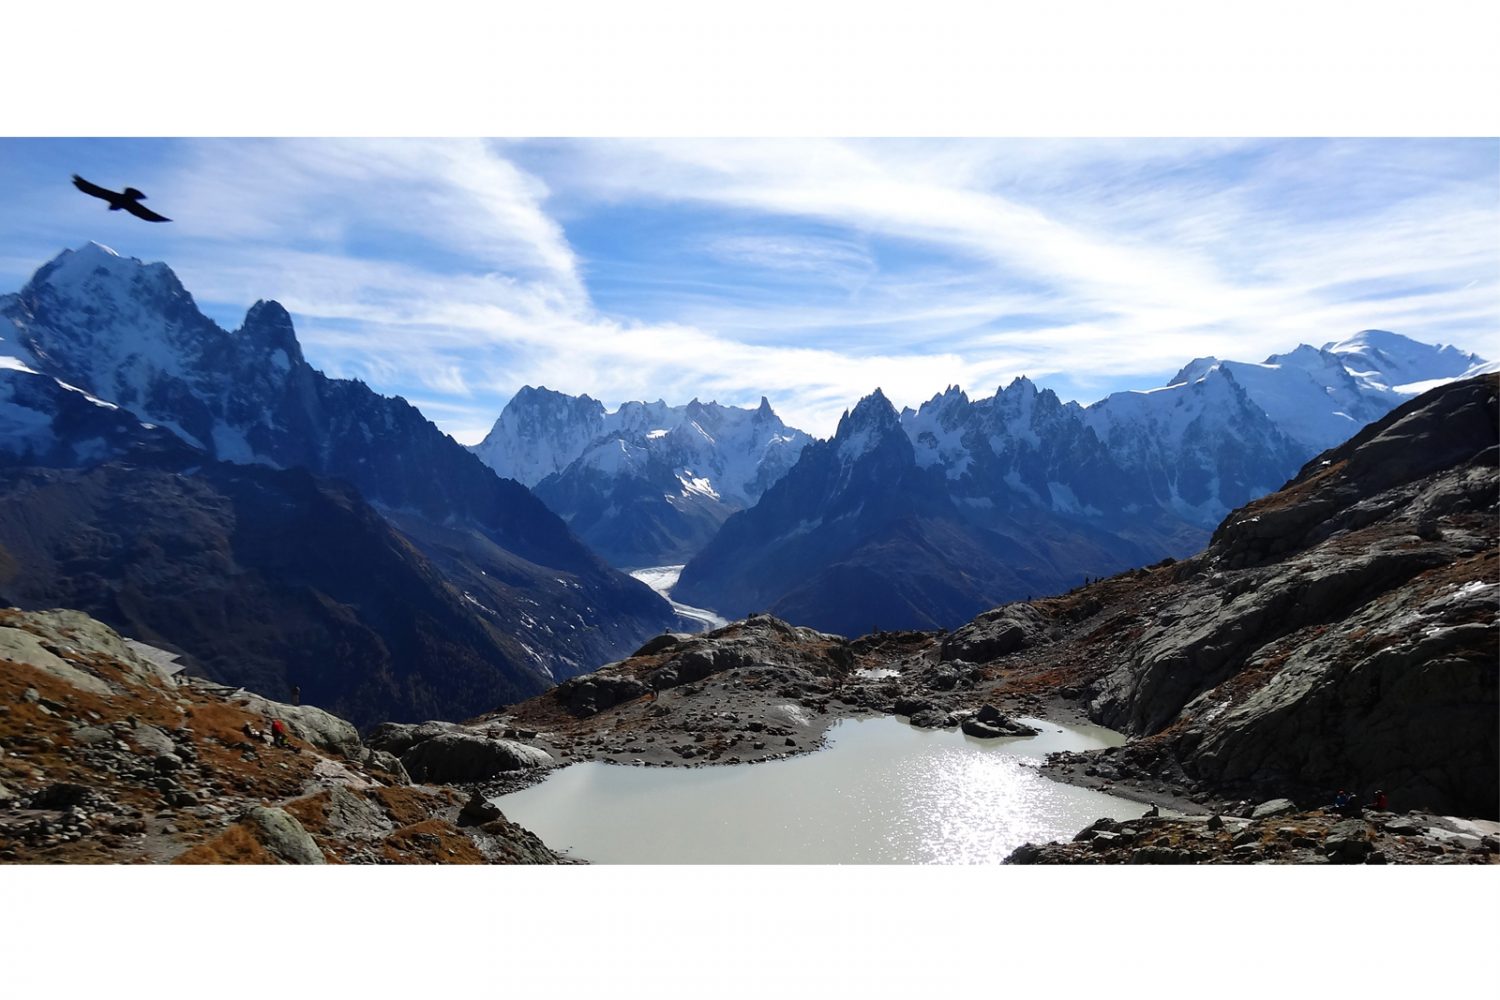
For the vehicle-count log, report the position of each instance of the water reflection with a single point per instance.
(881, 793)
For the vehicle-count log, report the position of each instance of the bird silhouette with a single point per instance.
(130, 200)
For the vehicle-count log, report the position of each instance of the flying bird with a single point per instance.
(130, 200)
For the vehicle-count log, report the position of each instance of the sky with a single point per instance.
(453, 272)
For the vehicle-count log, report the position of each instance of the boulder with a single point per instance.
(1273, 807)
(67, 795)
(1103, 824)
(478, 810)
(455, 757)
(909, 706)
(323, 730)
(994, 634)
(997, 728)
(389, 763)
(152, 741)
(1026, 854)
(932, 718)
(593, 693)
(941, 678)
(398, 737)
(279, 832)
(1348, 842)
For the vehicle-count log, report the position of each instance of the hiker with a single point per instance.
(296, 695)
(1381, 802)
(278, 732)
(1341, 801)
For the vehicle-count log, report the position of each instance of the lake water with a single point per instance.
(662, 579)
(881, 792)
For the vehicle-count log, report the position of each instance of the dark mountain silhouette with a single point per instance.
(104, 345)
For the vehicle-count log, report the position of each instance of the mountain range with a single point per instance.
(110, 373)
(163, 438)
(648, 484)
(923, 518)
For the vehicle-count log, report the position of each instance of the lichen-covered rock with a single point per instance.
(280, 833)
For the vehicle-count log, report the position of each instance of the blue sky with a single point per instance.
(452, 272)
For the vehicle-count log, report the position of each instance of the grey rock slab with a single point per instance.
(279, 832)
(152, 741)
(23, 647)
(1273, 807)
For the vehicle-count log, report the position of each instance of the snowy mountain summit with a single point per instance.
(649, 483)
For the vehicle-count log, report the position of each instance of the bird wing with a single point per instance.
(140, 211)
(93, 189)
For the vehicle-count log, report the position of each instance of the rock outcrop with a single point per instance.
(1341, 632)
(105, 760)
(456, 757)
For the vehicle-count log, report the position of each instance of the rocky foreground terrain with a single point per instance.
(104, 757)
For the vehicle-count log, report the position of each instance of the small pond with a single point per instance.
(881, 792)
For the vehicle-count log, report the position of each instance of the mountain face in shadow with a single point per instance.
(127, 340)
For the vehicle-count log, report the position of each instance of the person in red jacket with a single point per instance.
(278, 732)
(1381, 802)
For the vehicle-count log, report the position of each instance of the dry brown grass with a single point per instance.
(407, 806)
(433, 841)
(235, 846)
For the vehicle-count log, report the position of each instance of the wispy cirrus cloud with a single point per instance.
(452, 272)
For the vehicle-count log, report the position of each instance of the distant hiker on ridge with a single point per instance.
(130, 200)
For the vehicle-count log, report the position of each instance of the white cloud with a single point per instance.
(439, 269)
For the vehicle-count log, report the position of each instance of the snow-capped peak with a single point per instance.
(1393, 361)
(1194, 370)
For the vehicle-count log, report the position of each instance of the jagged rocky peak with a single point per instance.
(540, 402)
(872, 410)
(1024, 399)
(871, 421)
(539, 432)
(870, 438)
(269, 325)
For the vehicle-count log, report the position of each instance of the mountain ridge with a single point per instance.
(95, 325)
